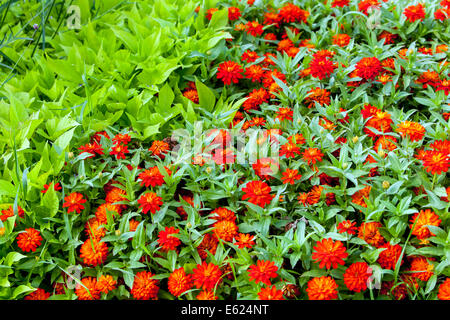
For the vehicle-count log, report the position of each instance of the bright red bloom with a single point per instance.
(56, 187)
(292, 13)
(347, 226)
(179, 282)
(119, 151)
(340, 3)
(229, 71)
(74, 202)
(312, 155)
(254, 73)
(321, 67)
(210, 12)
(321, 96)
(220, 214)
(150, 202)
(368, 68)
(233, 13)
(208, 244)
(356, 276)
(285, 113)
(388, 258)
(249, 56)
(341, 40)
(414, 13)
(29, 240)
(207, 295)
(92, 148)
(364, 5)
(257, 192)
(153, 177)
(207, 276)
(322, 288)
(254, 28)
(290, 150)
(270, 294)
(166, 240)
(121, 138)
(289, 176)
(144, 286)
(421, 268)
(435, 162)
(263, 271)
(6, 213)
(329, 253)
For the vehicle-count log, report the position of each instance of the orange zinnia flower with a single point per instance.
(106, 284)
(444, 290)
(249, 56)
(368, 231)
(257, 192)
(289, 176)
(341, 40)
(74, 202)
(6, 213)
(159, 148)
(207, 295)
(435, 162)
(290, 150)
(254, 28)
(220, 214)
(254, 73)
(29, 240)
(347, 226)
(167, 241)
(321, 96)
(179, 282)
(207, 276)
(94, 229)
(92, 292)
(270, 294)
(422, 219)
(285, 113)
(322, 288)
(292, 13)
(359, 196)
(192, 94)
(209, 243)
(312, 155)
(94, 252)
(329, 253)
(413, 130)
(150, 202)
(356, 276)
(244, 240)
(225, 230)
(144, 286)
(39, 294)
(101, 213)
(263, 271)
(421, 268)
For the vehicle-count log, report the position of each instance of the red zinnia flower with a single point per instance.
(166, 240)
(329, 253)
(92, 148)
(368, 68)
(289, 176)
(74, 202)
(388, 258)
(179, 282)
(229, 71)
(39, 294)
(323, 288)
(414, 13)
(321, 67)
(356, 276)
(144, 287)
(312, 155)
(257, 192)
(92, 292)
(106, 283)
(233, 13)
(270, 294)
(150, 202)
(435, 162)
(153, 177)
(207, 276)
(254, 28)
(29, 240)
(119, 151)
(263, 271)
(94, 252)
(244, 240)
(347, 226)
(158, 148)
(56, 187)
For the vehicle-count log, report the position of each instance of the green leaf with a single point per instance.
(206, 97)
(51, 201)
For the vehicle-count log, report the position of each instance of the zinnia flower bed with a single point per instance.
(353, 96)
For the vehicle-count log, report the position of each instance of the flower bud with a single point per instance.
(345, 165)
(70, 155)
(386, 184)
(355, 139)
(118, 233)
(381, 153)
(209, 170)
(2, 231)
